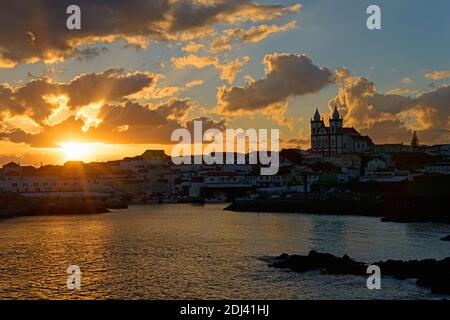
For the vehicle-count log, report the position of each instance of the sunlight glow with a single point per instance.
(89, 114)
(74, 151)
(61, 111)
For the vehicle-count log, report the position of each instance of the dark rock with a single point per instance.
(324, 261)
(447, 238)
(429, 273)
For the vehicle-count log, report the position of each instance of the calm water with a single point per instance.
(187, 251)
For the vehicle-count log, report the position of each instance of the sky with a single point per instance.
(138, 70)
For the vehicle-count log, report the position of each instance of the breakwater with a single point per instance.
(393, 207)
(14, 205)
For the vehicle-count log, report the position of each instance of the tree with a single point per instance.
(415, 140)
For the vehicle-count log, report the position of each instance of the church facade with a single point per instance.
(335, 139)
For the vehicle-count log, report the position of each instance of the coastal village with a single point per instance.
(338, 155)
(171, 151)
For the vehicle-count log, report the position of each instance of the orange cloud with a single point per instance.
(94, 107)
(227, 71)
(41, 98)
(232, 68)
(392, 117)
(198, 62)
(402, 91)
(193, 47)
(130, 123)
(437, 75)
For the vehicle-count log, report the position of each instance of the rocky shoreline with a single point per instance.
(14, 205)
(421, 200)
(430, 273)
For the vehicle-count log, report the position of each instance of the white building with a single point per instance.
(335, 139)
(70, 180)
(152, 168)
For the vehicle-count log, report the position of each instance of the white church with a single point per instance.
(336, 139)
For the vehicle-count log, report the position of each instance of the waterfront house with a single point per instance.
(71, 180)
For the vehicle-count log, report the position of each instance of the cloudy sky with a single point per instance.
(139, 69)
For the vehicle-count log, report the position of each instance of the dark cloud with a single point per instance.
(88, 53)
(439, 101)
(105, 86)
(33, 30)
(389, 131)
(32, 97)
(7, 100)
(175, 109)
(130, 114)
(287, 75)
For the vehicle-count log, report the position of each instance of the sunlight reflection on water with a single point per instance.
(187, 251)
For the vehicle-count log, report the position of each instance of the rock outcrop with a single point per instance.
(15, 205)
(431, 273)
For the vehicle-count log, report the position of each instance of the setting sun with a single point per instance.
(74, 151)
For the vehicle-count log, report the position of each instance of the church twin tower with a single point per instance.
(335, 139)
